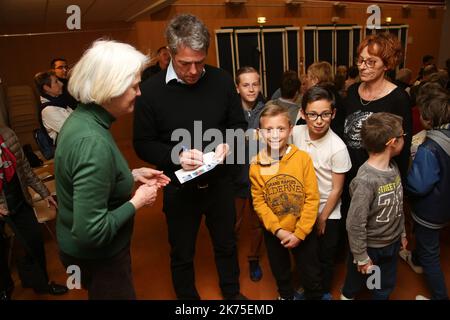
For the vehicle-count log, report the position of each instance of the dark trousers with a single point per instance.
(427, 255)
(244, 207)
(307, 262)
(184, 207)
(328, 245)
(105, 279)
(5, 276)
(386, 259)
(32, 267)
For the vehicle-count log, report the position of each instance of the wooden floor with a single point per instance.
(150, 259)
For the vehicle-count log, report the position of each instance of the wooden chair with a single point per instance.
(43, 212)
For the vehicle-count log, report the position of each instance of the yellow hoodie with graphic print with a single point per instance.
(285, 192)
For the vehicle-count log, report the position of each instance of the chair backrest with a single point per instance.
(44, 142)
(43, 212)
(22, 102)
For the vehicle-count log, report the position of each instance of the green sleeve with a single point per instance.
(94, 171)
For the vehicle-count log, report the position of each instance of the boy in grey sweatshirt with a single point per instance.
(375, 220)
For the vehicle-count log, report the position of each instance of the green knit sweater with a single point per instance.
(93, 186)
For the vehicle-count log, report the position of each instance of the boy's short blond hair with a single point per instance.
(272, 110)
(243, 70)
(322, 71)
(378, 129)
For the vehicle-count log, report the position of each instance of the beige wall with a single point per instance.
(21, 57)
(444, 52)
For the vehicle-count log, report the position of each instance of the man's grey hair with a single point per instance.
(186, 30)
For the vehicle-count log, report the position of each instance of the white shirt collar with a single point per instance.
(315, 142)
(172, 75)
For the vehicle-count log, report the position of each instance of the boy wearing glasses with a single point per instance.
(375, 221)
(331, 161)
(286, 199)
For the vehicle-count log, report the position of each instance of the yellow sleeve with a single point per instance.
(310, 210)
(265, 214)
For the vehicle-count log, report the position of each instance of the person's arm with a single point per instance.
(424, 173)
(54, 117)
(310, 209)
(31, 180)
(402, 107)
(362, 198)
(93, 176)
(235, 120)
(337, 186)
(146, 140)
(340, 164)
(266, 215)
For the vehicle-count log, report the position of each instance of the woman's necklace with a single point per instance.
(375, 97)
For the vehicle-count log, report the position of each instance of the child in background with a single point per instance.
(248, 86)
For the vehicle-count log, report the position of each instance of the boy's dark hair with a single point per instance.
(427, 58)
(290, 84)
(52, 63)
(434, 104)
(243, 70)
(378, 129)
(41, 79)
(272, 110)
(316, 93)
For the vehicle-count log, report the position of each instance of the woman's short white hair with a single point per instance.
(105, 71)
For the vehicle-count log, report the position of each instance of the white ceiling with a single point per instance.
(53, 12)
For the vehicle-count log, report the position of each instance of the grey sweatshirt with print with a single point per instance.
(375, 218)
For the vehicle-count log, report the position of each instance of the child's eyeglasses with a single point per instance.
(314, 116)
(391, 140)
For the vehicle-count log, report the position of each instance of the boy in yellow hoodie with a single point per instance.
(286, 199)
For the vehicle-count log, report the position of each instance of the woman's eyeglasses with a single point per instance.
(370, 63)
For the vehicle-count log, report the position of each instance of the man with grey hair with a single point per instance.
(190, 92)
